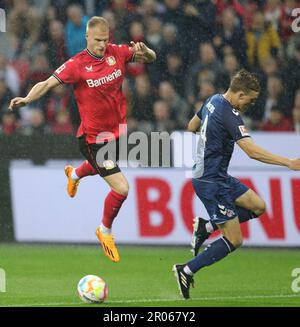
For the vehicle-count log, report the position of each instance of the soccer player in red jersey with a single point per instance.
(96, 75)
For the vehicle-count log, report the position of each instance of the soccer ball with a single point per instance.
(92, 289)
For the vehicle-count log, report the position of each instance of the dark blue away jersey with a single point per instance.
(221, 126)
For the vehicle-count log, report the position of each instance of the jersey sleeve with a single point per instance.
(199, 113)
(126, 52)
(68, 72)
(235, 126)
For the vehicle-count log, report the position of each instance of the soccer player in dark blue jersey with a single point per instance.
(227, 201)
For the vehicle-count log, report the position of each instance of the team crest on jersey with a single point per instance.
(111, 60)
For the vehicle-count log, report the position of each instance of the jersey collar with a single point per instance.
(231, 106)
(93, 56)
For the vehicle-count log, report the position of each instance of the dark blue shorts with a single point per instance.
(219, 197)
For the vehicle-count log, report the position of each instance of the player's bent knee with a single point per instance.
(123, 189)
(261, 208)
(236, 241)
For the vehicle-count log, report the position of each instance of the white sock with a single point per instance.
(74, 175)
(209, 227)
(105, 230)
(187, 270)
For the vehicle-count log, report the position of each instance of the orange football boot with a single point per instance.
(108, 245)
(72, 185)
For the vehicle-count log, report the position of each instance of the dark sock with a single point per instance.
(214, 252)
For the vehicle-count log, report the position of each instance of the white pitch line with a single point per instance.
(165, 300)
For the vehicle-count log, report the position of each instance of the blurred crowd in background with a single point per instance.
(200, 44)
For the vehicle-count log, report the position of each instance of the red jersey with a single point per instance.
(97, 84)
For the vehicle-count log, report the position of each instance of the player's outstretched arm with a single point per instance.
(142, 53)
(194, 124)
(35, 93)
(260, 154)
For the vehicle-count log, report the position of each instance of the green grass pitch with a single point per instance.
(47, 275)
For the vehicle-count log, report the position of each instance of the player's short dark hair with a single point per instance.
(244, 81)
(97, 21)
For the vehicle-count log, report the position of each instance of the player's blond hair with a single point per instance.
(97, 21)
(244, 81)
